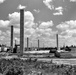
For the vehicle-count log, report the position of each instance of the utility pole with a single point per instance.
(57, 41)
(38, 44)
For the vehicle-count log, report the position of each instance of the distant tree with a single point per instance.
(67, 48)
(0, 45)
(72, 46)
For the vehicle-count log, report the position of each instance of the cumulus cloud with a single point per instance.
(67, 25)
(72, 0)
(35, 33)
(5, 37)
(68, 31)
(49, 4)
(1, 1)
(16, 30)
(2, 37)
(4, 23)
(62, 26)
(37, 11)
(31, 29)
(5, 33)
(28, 19)
(14, 18)
(29, 25)
(45, 32)
(21, 7)
(60, 11)
(45, 25)
(64, 36)
(8, 33)
(67, 40)
(28, 32)
(71, 23)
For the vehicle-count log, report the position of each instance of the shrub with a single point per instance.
(14, 70)
(57, 54)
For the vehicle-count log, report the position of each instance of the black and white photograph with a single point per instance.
(37, 37)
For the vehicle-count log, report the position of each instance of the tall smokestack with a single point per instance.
(27, 43)
(15, 42)
(38, 44)
(12, 37)
(57, 42)
(21, 31)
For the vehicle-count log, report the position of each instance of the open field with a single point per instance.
(70, 61)
(11, 64)
(44, 57)
(60, 61)
(45, 64)
(17, 66)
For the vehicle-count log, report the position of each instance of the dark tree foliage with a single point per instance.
(57, 54)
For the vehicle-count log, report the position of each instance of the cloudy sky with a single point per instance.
(43, 20)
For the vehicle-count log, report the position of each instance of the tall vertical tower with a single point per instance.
(12, 37)
(57, 42)
(27, 43)
(21, 31)
(15, 42)
(38, 44)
